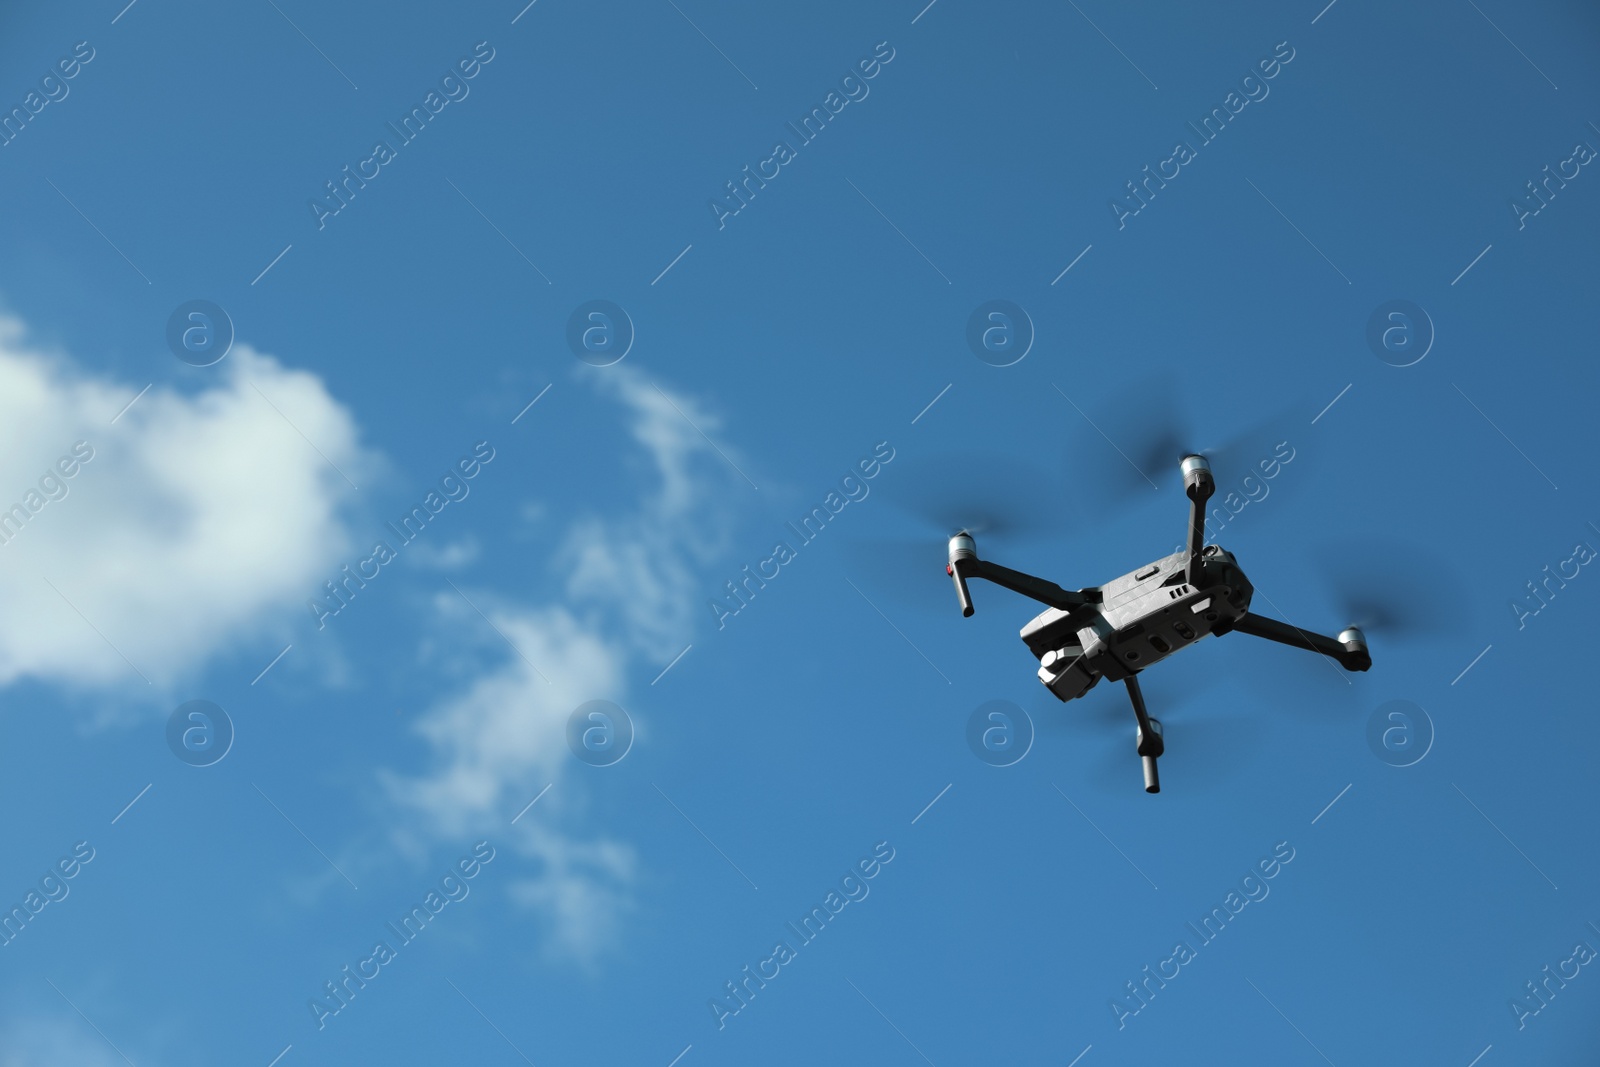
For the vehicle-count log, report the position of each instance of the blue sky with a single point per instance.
(574, 153)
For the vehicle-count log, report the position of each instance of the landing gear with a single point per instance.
(1148, 736)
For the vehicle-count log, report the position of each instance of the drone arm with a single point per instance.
(1034, 588)
(1199, 485)
(1350, 649)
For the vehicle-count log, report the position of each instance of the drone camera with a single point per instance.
(962, 548)
(1064, 672)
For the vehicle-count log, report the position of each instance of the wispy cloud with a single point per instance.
(637, 570)
(450, 556)
(629, 592)
(48, 1042)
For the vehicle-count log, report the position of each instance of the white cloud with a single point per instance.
(204, 519)
(201, 518)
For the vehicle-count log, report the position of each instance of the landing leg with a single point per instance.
(1149, 736)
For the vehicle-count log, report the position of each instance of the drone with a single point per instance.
(1119, 629)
